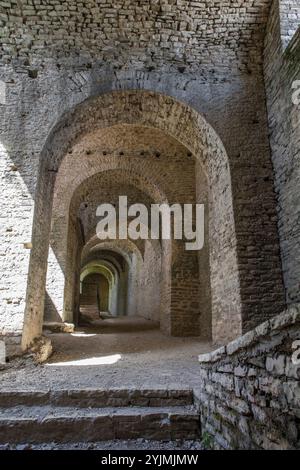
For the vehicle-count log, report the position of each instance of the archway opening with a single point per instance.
(135, 143)
(94, 296)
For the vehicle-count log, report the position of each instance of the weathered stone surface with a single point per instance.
(281, 71)
(97, 398)
(41, 349)
(173, 31)
(273, 327)
(46, 424)
(262, 409)
(214, 356)
(99, 97)
(56, 327)
(204, 59)
(276, 365)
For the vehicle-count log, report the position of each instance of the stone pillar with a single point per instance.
(15, 242)
(121, 290)
(54, 302)
(18, 174)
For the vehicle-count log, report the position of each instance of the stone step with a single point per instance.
(35, 424)
(99, 398)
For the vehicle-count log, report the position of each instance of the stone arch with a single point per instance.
(134, 258)
(190, 128)
(124, 247)
(120, 267)
(98, 265)
(95, 295)
(110, 257)
(112, 275)
(132, 180)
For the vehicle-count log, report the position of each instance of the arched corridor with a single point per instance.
(94, 295)
(149, 236)
(133, 144)
(149, 167)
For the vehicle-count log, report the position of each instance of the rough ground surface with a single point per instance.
(138, 444)
(148, 359)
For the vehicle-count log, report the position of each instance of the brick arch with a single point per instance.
(130, 183)
(134, 185)
(60, 230)
(189, 128)
(107, 141)
(113, 257)
(123, 247)
(96, 155)
(88, 268)
(112, 275)
(134, 296)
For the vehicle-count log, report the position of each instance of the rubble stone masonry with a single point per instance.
(249, 395)
(282, 70)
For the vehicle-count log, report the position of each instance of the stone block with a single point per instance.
(56, 327)
(225, 380)
(276, 365)
(292, 393)
(41, 349)
(290, 317)
(244, 341)
(259, 414)
(241, 406)
(213, 356)
(292, 370)
(240, 371)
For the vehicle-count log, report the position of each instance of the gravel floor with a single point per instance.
(138, 444)
(112, 353)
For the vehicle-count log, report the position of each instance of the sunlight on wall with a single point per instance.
(15, 241)
(55, 277)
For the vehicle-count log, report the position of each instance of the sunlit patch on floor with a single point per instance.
(91, 361)
(83, 335)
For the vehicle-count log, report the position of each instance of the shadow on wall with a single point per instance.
(50, 312)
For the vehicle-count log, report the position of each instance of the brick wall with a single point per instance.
(208, 56)
(289, 19)
(281, 70)
(175, 32)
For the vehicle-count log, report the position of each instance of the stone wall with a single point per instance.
(196, 72)
(249, 393)
(122, 160)
(165, 32)
(149, 281)
(282, 69)
(289, 19)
